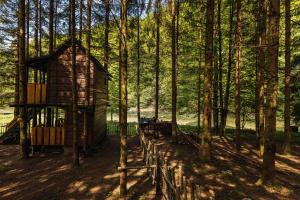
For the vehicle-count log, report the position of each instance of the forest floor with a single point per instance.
(51, 176)
(233, 176)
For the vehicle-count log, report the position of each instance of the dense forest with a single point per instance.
(206, 67)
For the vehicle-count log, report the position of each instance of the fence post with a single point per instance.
(192, 190)
(158, 175)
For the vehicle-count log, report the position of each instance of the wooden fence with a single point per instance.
(164, 177)
(113, 128)
(3, 128)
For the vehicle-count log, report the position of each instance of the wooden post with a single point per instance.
(184, 188)
(158, 175)
(192, 190)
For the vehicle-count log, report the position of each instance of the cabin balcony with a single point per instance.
(36, 93)
(47, 136)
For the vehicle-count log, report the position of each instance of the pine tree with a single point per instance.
(123, 98)
(238, 77)
(287, 81)
(268, 172)
(260, 71)
(74, 86)
(206, 136)
(174, 70)
(23, 81)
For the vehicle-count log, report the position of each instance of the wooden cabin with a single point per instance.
(49, 98)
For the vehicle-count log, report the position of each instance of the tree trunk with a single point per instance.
(209, 40)
(23, 80)
(260, 72)
(106, 34)
(268, 173)
(55, 24)
(87, 73)
(287, 81)
(27, 27)
(40, 28)
(228, 81)
(215, 86)
(220, 67)
(36, 48)
(74, 87)
(157, 61)
(174, 70)
(123, 98)
(138, 67)
(199, 88)
(80, 20)
(51, 11)
(238, 77)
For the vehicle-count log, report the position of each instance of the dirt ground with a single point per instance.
(51, 176)
(230, 177)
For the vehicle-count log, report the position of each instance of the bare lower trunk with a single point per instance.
(287, 81)
(23, 80)
(228, 81)
(272, 91)
(174, 71)
(74, 88)
(157, 61)
(123, 99)
(220, 68)
(206, 136)
(238, 78)
(260, 73)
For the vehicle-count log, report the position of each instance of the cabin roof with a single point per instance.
(41, 62)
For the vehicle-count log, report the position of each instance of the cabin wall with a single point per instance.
(59, 84)
(101, 102)
(59, 91)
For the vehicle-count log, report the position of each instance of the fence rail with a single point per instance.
(113, 128)
(163, 175)
(3, 128)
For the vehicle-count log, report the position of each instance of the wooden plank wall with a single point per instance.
(59, 90)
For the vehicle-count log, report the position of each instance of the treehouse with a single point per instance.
(49, 98)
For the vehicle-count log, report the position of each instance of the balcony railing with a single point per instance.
(36, 93)
(47, 135)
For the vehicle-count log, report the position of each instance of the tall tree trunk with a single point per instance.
(23, 80)
(138, 67)
(260, 71)
(51, 15)
(40, 28)
(106, 34)
(174, 70)
(215, 86)
(123, 98)
(268, 173)
(228, 81)
(70, 19)
(220, 67)
(199, 88)
(74, 87)
(238, 77)
(209, 41)
(80, 20)
(157, 58)
(87, 73)
(27, 27)
(36, 48)
(51, 11)
(55, 24)
(287, 81)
